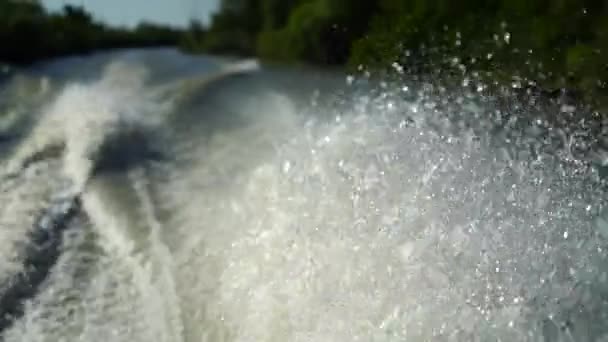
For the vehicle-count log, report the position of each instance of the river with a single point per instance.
(148, 195)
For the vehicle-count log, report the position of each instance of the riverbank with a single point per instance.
(553, 45)
(29, 33)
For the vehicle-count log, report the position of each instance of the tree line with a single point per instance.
(29, 33)
(556, 43)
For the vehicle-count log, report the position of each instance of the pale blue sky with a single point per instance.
(131, 12)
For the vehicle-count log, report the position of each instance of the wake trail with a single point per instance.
(73, 134)
(389, 214)
(160, 255)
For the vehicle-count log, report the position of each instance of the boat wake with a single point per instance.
(239, 206)
(89, 129)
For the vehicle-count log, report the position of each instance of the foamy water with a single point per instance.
(246, 210)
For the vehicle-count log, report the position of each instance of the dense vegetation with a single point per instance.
(555, 43)
(318, 31)
(29, 33)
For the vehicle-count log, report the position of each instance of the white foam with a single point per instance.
(21, 201)
(84, 115)
(371, 233)
(294, 228)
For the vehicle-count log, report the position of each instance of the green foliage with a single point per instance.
(305, 26)
(560, 43)
(233, 31)
(555, 43)
(577, 57)
(193, 35)
(275, 13)
(29, 33)
(318, 31)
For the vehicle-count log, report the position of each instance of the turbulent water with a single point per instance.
(151, 196)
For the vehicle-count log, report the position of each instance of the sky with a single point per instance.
(131, 12)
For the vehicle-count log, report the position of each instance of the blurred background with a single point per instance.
(553, 43)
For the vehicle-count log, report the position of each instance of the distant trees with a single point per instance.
(29, 33)
(319, 31)
(192, 38)
(558, 43)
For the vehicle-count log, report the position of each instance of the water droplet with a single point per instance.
(567, 109)
(398, 67)
(602, 225)
(286, 166)
(406, 250)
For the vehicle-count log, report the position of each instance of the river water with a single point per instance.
(148, 195)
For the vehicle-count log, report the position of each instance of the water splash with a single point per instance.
(410, 211)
